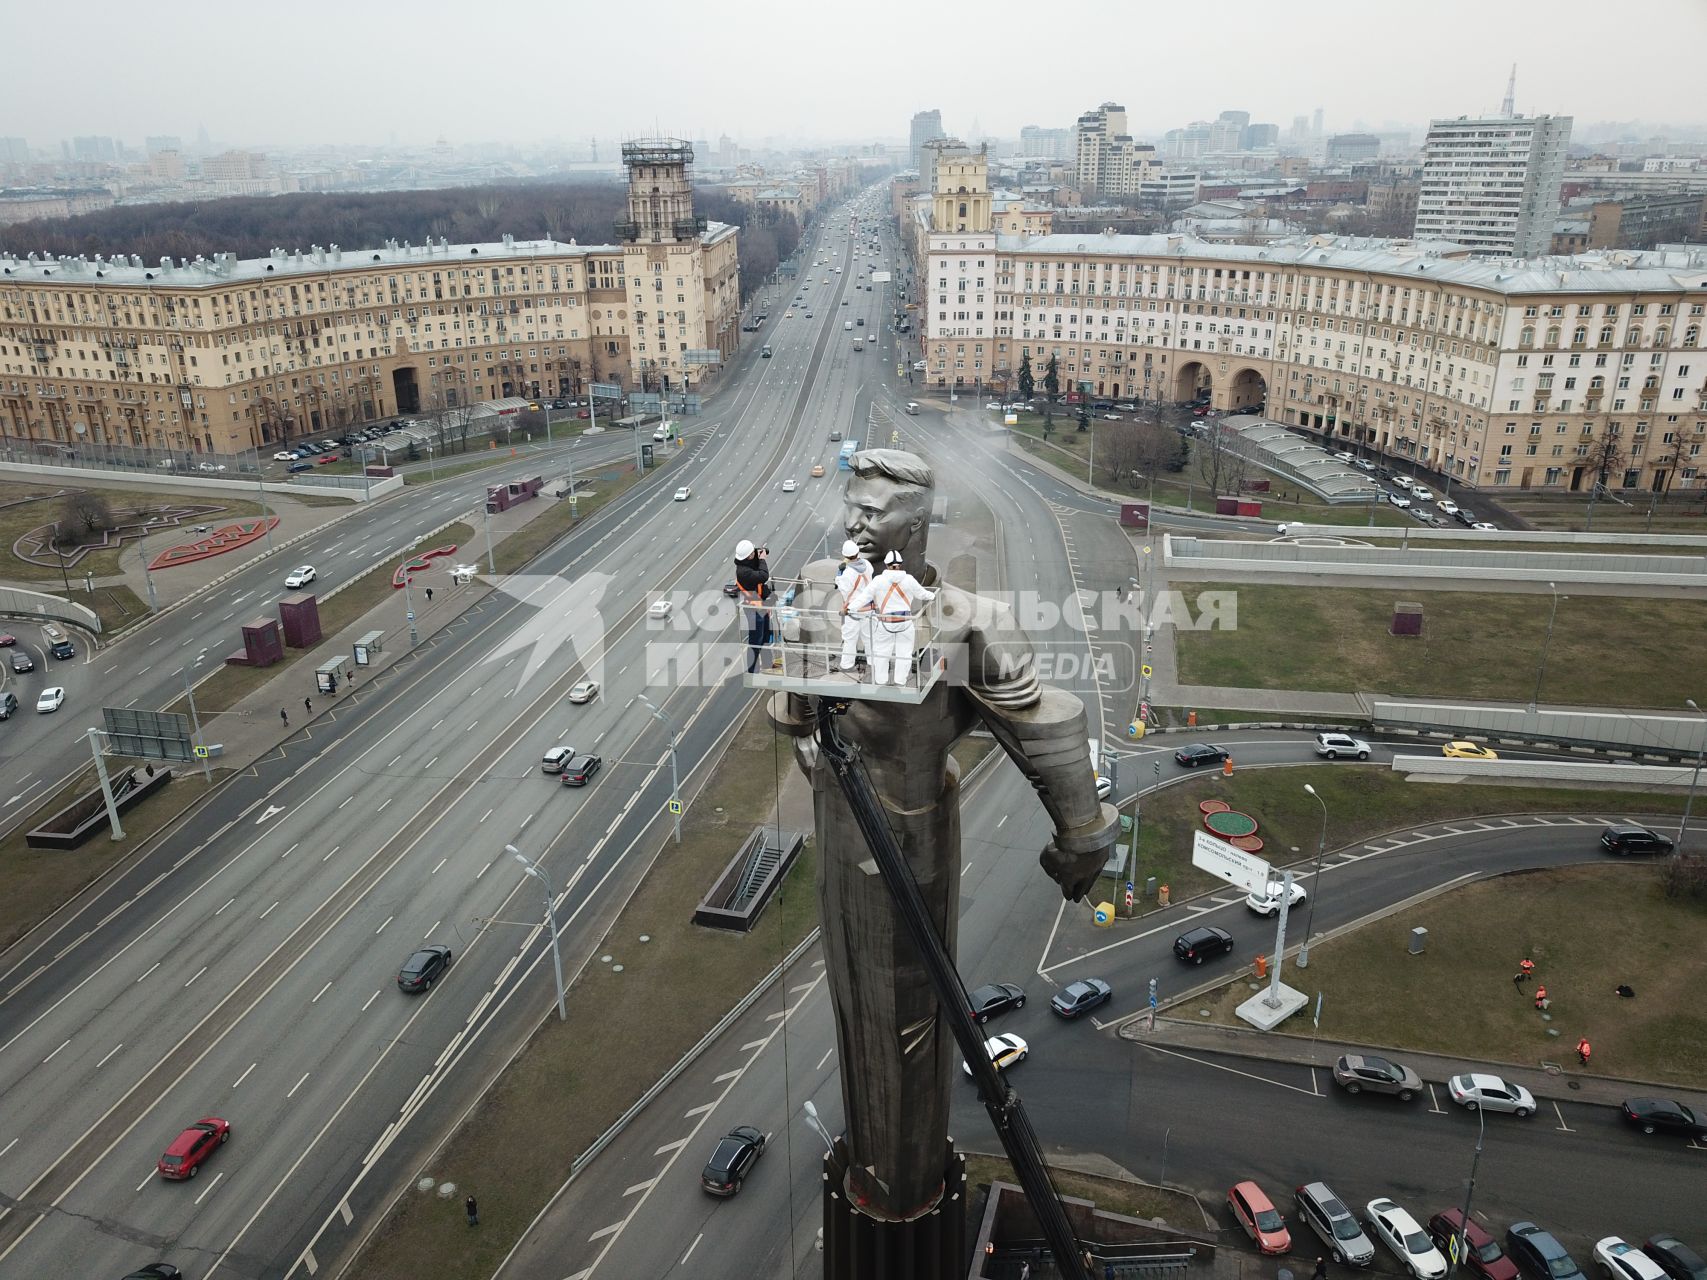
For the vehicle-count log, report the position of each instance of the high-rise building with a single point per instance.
(93, 150)
(1492, 182)
(1258, 137)
(926, 126)
(1046, 144)
(1347, 148)
(1108, 162)
(14, 151)
(162, 142)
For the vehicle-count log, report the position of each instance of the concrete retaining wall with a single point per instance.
(1677, 736)
(1494, 538)
(21, 602)
(1575, 773)
(1627, 568)
(179, 479)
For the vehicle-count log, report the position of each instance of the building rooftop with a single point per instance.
(226, 268)
(1676, 268)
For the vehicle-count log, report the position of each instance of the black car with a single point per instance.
(1199, 753)
(997, 997)
(579, 771)
(1538, 1254)
(736, 1154)
(22, 662)
(155, 1271)
(1676, 1259)
(296, 467)
(422, 969)
(1197, 945)
(1080, 997)
(1624, 838)
(1663, 1115)
(731, 589)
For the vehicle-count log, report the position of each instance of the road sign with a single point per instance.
(201, 753)
(1230, 863)
(608, 390)
(1147, 670)
(675, 806)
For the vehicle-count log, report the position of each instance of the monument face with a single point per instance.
(898, 1059)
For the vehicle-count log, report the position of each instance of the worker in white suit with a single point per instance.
(897, 596)
(856, 626)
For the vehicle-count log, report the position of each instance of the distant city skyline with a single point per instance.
(360, 75)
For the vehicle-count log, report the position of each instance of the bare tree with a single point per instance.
(1219, 462)
(83, 514)
(1605, 455)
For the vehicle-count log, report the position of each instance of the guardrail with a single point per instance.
(1669, 736)
(1572, 772)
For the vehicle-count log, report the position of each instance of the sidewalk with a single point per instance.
(1565, 1084)
(254, 727)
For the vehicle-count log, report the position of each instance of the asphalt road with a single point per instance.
(1199, 1121)
(247, 969)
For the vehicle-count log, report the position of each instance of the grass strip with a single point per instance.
(1604, 650)
(1457, 998)
(513, 1153)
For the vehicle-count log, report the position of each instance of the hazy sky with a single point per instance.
(368, 71)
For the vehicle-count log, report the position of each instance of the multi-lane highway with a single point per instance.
(247, 970)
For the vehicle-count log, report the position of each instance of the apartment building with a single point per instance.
(221, 355)
(1109, 162)
(1492, 183)
(1507, 375)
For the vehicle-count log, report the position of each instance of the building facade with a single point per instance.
(1348, 148)
(222, 355)
(1648, 220)
(1109, 162)
(1492, 183)
(1505, 376)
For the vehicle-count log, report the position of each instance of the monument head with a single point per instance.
(888, 505)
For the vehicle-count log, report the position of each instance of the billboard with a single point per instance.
(147, 735)
(1238, 868)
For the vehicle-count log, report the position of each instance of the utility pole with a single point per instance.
(1303, 961)
(675, 782)
(189, 693)
(106, 783)
(538, 873)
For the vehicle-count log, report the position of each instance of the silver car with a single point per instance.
(1334, 745)
(1327, 1215)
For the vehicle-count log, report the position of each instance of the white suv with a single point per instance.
(1334, 745)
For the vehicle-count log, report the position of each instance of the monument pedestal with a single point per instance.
(1265, 1016)
(858, 1246)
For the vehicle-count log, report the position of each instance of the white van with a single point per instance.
(847, 324)
(661, 432)
(913, 407)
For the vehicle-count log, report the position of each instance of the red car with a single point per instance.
(1260, 1220)
(7, 641)
(192, 1146)
(1484, 1257)
(324, 458)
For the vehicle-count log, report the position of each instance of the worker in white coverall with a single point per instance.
(856, 626)
(897, 596)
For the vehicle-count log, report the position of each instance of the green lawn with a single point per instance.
(40, 881)
(1362, 802)
(1457, 998)
(1604, 651)
(512, 1152)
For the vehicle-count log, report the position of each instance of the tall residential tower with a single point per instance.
(1492, 183)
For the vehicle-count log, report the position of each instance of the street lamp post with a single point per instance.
(533, 869)
(189, 693)
(409, 609)
(1694, 780)
(1463, 1241)
(491, 565)
(1303, 961)
(675, 783)
(1541, 666)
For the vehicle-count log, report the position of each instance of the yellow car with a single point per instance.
(817, 469)
(1467, 751)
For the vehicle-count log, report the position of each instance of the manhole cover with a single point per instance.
(1573, 1084)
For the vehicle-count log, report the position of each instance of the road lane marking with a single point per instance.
(98, 1065)
(701, 1110)
(228, 902)
(246, 1070)
(150, 969)
(199, 973)
(298, 1084)
(323, 990)
(1186, 1057)
(50, 1057)
(381, 929)
(369, 1001)
(268, 911)
(821, 1061)
(210, 1186)
(664, 1150)
(442, 861)
(691, 1248)
(1434, 1101)
(603, 1232)
(1563, 1127)
(641, 1186)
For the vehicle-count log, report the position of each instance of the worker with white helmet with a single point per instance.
(856, 624)
(752, 581)
(897, 596)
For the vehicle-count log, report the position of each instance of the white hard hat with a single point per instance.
(743, 549)
(850, 548)
(894, 557)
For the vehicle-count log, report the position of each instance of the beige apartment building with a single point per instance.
(1505, 373)
(222, 355)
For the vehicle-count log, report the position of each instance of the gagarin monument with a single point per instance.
(897, 1058)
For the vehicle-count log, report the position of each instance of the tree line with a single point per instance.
(253, 226)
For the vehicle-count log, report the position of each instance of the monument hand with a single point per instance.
(1076, 873)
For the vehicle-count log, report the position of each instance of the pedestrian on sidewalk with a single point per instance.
(285, 716)
(473, 1210)
(1541, 996)
(1583, 1051)
(1321, 1271)
(429, 595)
(308, 706)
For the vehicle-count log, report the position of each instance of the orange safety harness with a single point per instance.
(894, 589)
(858, 582)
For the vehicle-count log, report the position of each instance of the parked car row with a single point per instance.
(1422, 1251)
